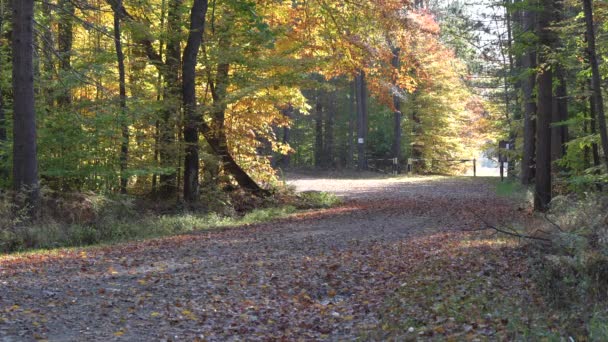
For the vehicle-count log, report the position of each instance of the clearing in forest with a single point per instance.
(400, 258)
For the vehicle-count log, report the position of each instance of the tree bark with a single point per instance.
(4, 172)
(65, 42)
(417, 148)
(397, 113)
(159, 94)
(361, 121)
(191, 115)
(595, 151)
(124, 126)
(328, 130)
(318, 131)
(171, 95)
(285, 159)
(352, 118)
(542, 196)
(25, 162)
(560, 114)
(3, 137)
(47, 46)
(596, 80)
(529, 102)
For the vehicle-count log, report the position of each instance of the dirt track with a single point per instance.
(317, 275)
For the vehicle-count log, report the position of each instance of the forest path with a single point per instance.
(325, 274)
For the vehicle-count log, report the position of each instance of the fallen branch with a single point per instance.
(552, 222)
(512, 232)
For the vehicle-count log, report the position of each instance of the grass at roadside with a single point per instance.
(110, 228)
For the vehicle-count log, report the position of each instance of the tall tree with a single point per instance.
(288, 113)
(352, 118)
(529, 103)
(122, 86)
(191, 115)
(542, 195)
(319, 129)
(596, 81)
(4, 172)
(171, 89)
(65, 43)
(559, 132)
(595, 152)
(397, 112)
(25, 162)
(328, 129)
(361, 120)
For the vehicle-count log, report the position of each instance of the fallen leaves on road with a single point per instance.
(389, 265)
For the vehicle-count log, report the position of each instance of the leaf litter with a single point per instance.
(392, 262)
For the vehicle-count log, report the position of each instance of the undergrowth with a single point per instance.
(87, 219)
(572, 270)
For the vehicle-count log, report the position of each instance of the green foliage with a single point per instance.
(511, 188)
(317, 199)
(598, 329)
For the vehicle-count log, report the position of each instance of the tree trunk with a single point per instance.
(586, 149)
(215, 133)
(159, 94)
(352, 117)
(3, 138)
(595, 151)
(328, 140)
(560, 114)
(529, 102)
(192, 117)
(596, 77)
(560, 100)
(318, 131)
(288, 112)
(514, 114)
(417, 148)
(65, 42)
(397, 113)
(4, 172)
(361, 121)
(48, 67)
(124, 126)
(25, 162)
(542, 196)
(171, 94)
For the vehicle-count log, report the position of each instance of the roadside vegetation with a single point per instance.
(487, 284)
(91, 219)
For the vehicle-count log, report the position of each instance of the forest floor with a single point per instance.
(400, 258)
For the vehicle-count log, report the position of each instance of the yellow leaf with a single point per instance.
(119, 332)
(155, 314)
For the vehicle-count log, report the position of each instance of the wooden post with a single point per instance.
(502, 171)
(474, 167)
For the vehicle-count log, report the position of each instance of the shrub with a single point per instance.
(573, 270)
